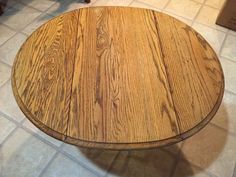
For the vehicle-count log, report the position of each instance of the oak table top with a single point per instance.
(117, 78)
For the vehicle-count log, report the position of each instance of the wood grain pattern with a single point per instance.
(117, 78)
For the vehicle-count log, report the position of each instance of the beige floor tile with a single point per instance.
(5, 33)
(185, 8)
(10, 3)
(6, 127)
(19, 16)
(215, 3)
(213, 150)
(8, 104)
(229, 48)
(9, 50)
(174, 149)
(226, 115)
(208, 17)
(62, 166)
(67, 5)
(35, 130)
(160, 4)
(229, 69)
(5, 73)
(192, 171)
(41, 5)
(99, 160)
(185, 20)
(142, 163)
(112, 2)
(23, 155)
(37, 23)
(213, 36)
(232, 32)
(143, 5)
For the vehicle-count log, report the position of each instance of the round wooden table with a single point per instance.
(117, 78)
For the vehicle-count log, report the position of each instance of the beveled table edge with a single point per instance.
(111, 145)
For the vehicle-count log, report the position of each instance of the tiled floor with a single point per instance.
(25, 151)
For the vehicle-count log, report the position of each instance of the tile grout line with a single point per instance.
(2, 24)
(194, 165)
(6, 64)
(48, 164)
(222, 129)
(6, 82)
(38, 137)
(168, 2)
(234, 172)
(198, 12)
(9, 136)
(202, 4)
(19, 30)
(19, 125)
(228, 59)
(71, 157)
(51, 161)
(112, 163)
(228, 91)
(223, 43)
(25, 4)
(130, 3)
(43, 12)
(209, 26)
(146, 4)
(177, 160)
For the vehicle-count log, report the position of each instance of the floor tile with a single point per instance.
(5, 33)
(6, 127)
(215, 3)
(37, 23)
(192, 171)
(62, 166)
(142, 163)
(23, 155)
(112, 2)
(173, 149)
(211, 149)
(229, 48)
(160, 4)
(41, 5)
(185, 20)
(35, 130)
(10, 3)
(213, 36)
(9, 50)
(19, 16)
(232, 32)
(67, 5)
(98, 160)
(142, 5)
(185, 8)
(226, 115)
(234, 175)
(8, 104)
(208, 17)
(229, 69)
(5, 73)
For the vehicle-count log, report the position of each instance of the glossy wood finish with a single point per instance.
(117, 78)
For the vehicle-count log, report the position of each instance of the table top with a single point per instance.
(117, 78)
